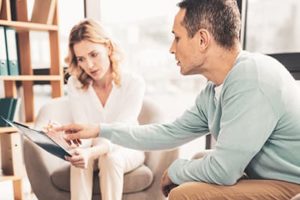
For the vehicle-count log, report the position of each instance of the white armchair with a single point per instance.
(50, 176)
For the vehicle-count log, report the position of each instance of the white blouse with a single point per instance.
(123, 104)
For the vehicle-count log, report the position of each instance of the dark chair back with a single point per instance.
(291, 61)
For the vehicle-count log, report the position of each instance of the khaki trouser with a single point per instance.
(245, 189)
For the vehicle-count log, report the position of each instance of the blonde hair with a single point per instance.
(92, 31)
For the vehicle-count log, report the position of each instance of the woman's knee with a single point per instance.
(110, 161)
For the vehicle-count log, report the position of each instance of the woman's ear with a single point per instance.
(204, 38)
(109, 48)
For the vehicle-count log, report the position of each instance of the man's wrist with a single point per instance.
(97, 132)
(105, 131)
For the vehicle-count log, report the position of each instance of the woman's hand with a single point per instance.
(75, 132)
(80, 157)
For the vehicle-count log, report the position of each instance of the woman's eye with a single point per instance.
(94, 54)
(79, 59)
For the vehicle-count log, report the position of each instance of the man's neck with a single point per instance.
(221, 63)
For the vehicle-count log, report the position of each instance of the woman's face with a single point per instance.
(93, 58)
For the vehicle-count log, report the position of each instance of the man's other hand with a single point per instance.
(166, 184)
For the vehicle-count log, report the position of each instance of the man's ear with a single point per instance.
(204, 38)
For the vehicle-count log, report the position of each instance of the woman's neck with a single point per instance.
(104, 83)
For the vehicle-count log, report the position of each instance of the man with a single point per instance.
(251, 106)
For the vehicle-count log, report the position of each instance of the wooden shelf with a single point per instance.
(17, 185)
(17, 18)
(9, 178)
(32, 78)
(7, 130)
(27, 26)
(12, 129)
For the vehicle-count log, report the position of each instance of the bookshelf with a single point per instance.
(14, 15)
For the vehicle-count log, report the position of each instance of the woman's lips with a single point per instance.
(95, 72)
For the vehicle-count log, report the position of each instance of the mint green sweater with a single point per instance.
(256, 122)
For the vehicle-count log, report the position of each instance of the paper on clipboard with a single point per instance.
(41, 139)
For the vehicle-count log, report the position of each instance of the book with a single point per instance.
(43, 11)
(8, 109)
(13, 9)
(12, 51)
(3, 55)
(15, 108)
(5, 110)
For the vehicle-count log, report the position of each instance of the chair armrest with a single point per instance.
(39, 163)
(158, 162)
(39, 166)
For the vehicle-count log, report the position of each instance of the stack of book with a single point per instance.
(8, 109)
(9, 62)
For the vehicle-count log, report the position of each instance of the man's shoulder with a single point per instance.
(254, 67)
(207, 91)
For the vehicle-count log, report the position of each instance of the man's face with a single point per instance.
(185, 49)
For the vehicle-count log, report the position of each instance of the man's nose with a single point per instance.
(172, 48)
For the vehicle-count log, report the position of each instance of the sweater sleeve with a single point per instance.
(248, 119)
(192, 124)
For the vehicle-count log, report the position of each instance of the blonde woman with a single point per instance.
(99, 92)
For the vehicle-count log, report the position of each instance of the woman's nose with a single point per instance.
(89, 63)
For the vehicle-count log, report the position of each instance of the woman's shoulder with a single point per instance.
(74, 85)
(74, 82)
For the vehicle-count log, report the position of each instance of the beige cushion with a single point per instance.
(134, 181)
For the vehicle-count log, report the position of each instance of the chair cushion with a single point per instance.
(134, 181)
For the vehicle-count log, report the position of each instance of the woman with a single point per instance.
(99, 92)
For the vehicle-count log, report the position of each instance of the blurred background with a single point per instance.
(143, 30)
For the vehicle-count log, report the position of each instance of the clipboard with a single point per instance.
(40, 138)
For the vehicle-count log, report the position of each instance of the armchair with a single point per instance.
(50, 176)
